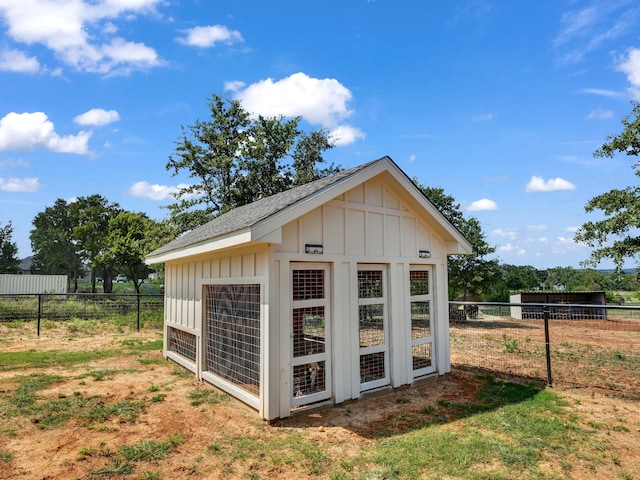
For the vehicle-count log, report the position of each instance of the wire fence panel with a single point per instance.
(587, 346)
(139, 311)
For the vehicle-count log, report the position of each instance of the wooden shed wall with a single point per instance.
(370, 220)
(368, 224)
(183, 282)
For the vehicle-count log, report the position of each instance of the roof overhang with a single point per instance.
(233, 239)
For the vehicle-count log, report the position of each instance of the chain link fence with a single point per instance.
(584, 346)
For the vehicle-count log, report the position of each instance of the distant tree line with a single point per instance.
(92, 233)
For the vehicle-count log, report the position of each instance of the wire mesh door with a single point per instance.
(310, 333)
(373, 327)
(422, 356)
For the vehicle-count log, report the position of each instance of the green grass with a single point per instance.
(207, 396)
(49, 414)
(506, 432)
(294, 449)
(49, 358)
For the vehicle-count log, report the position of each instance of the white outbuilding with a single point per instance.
(317, 294)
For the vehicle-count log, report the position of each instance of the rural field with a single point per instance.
(96, 402)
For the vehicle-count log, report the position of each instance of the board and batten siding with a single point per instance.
(367, 221)
(370, 223)
(184, 289)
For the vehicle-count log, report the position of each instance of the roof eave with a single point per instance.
(233, 239)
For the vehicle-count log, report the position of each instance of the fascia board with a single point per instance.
(231, 240)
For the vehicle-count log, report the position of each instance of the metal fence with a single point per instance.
(585, 346)
(123, 309)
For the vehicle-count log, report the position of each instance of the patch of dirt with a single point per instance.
(345, 429)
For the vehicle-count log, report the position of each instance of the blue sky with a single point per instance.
(501, 103)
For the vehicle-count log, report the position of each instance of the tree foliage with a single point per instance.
(55, 249)
(92, 215)
(233, 159)
(131, 236)
(616, 235)
(9, 261)
(95, 233)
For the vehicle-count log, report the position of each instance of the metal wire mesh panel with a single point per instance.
(370, 284)
(233, 334)
(308, 284)
(182, 343)
(421, 355)
(308, 331)
(371, 326)
(419, 282)
(309, 378)
(420, 320)
(372, 367)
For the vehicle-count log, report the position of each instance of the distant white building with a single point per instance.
(32, 284)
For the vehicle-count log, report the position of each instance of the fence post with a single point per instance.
(547, 344)
(138, 312)
(39, 311)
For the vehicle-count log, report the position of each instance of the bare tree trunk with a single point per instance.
(107, 280)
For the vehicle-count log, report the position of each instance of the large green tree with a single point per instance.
(69, 236)
(232, 159)
(55, 249)
(92, 215)
(9, 261)
(616, 236)
(469, 275)
(131, 236)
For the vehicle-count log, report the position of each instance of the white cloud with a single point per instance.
(97, 117)
(345, 135)
(34, 131)
(600, 114)
(562, 245)
(234, 86)
(412, 158)
(321, 102)
(510, 233)
(601, 92)
(209, 36)
(27, 184)
(587, 29)
(13, 163)
(483, 118)
(538, 184)
(482, 204)
(144, 189)
(17, 61)
(631, 66)
(509, 248)
(537, 228)
(80, 33)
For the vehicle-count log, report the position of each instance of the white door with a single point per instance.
(422, 354)
(310, 333)
(373, 326)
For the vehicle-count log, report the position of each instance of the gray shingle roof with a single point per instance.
(252, 213)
